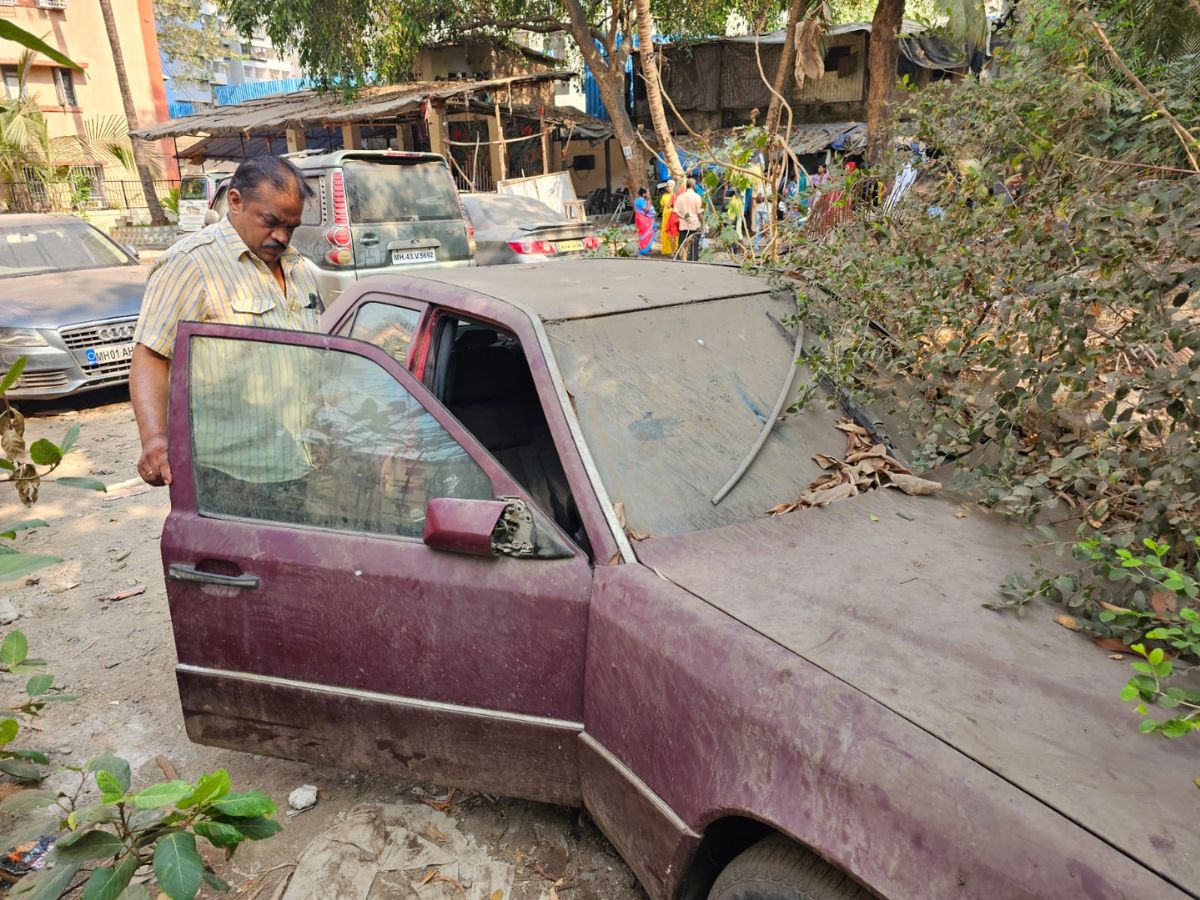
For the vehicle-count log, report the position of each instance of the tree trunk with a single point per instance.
(610, 81)
(883, 52)
(654, 99)
(157, 216)
(786, 60)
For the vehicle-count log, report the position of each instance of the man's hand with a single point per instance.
(153, 465)
(149, 380)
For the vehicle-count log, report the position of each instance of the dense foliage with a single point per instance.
(1044, 334)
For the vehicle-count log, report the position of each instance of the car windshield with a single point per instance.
(381, 192)
(193, 189)
(671, 400)
(510, 211)
(55, 247)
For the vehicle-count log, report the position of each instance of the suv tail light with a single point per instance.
(341, 213)
(338, 237)
(591, 242)
(525, 248)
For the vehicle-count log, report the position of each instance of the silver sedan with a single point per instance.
(514, 229)
(69, 301)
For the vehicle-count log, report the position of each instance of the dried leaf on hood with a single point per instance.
(865, 466)
(913, 485)
(823, 497)
(632, 533)
(851, 428)
(1067, 622)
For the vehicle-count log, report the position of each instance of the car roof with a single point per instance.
(586, 288)
(337, 157)
(26, 220)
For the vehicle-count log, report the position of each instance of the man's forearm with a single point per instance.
(149, 387)
(149, 384)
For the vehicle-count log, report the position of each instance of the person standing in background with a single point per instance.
(690, 209)
(665, 224)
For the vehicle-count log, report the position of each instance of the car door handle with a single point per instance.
(369, 240)
(181, 572)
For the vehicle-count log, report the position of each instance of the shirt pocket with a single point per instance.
(250, 305)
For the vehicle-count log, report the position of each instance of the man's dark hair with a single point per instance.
(274, 170)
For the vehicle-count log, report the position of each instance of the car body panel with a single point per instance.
(429, 743)
(450, 623)
(897, 614)
(718, 719)
(59, 299)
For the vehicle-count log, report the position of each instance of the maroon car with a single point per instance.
(469, 535)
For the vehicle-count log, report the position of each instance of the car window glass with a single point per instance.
(31, 250)
(306, 436)
(399, 192)
(387, 326)
(511, 212)
(312, 205)
(193, 189)
(483, 377)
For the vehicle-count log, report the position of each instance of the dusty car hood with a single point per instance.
(66, 298)
(893, 608)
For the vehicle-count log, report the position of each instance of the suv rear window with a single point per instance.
(380, 192)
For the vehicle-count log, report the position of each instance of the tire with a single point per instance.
(777, 869)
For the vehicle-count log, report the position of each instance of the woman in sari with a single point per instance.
(669, 240)
(643, 214)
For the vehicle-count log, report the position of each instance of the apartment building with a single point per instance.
(251, 68)
(70, 98)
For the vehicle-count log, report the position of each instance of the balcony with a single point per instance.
(51, 4)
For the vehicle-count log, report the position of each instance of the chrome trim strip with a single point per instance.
(585, 454)
(640, 786)
(413, 702)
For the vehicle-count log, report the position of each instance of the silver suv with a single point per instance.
(375, 212)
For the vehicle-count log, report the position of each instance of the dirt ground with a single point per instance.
(119, 657)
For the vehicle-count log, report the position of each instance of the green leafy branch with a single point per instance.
(1147, 687)
(14, 659)
(106, 842)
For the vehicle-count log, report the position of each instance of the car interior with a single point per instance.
(480, 373)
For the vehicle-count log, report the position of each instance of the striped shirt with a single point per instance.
(249, 402)
(211, 276)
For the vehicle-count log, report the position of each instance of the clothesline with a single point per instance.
(511, 140)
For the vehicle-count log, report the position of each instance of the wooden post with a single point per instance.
(438, 131)
(404, 136)
(295, 140)
(352, 137)
(501, 145)
(545, 144)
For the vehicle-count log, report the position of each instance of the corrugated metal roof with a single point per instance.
(307, 109)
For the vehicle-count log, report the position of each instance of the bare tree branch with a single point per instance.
(1185, 136)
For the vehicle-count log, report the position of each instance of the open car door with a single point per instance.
(312, 620)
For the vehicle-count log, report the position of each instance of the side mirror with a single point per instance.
(211, 217)
(132, 251)
(479, 527)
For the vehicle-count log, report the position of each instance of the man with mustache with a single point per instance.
(240, 271)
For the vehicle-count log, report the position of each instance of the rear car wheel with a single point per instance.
(777, 869)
